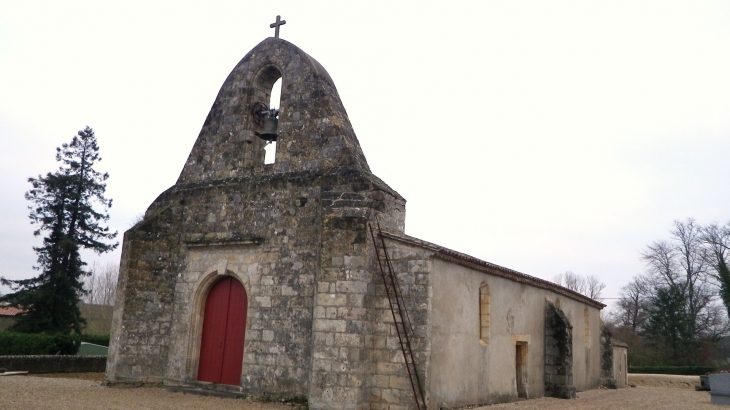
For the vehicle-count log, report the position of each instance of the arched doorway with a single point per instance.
(224, 329)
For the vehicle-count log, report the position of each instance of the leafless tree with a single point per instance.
(594, 287)
(681, 264)
(571, 281)
(671, 312)
(101, 285)
(631, 309)
(716, 240)
(590, 286)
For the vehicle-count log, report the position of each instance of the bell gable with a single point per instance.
(314, 132)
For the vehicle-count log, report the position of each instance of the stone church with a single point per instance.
(294, 280)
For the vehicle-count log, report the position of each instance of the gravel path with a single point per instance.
(23, 392)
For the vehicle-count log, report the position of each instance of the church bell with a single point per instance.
(271, 126)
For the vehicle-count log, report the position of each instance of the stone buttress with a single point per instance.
(294, 233)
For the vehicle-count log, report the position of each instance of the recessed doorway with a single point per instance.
(521, 369)
(224, 330)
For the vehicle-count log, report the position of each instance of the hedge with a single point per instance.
(682, 370)
(12, 343)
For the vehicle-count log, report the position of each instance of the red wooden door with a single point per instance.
(224, 329)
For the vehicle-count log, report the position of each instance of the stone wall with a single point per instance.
(53, 364)
(288, 277)
(607, 362)
(314, 129)
(293, 232)
(390, 386)
(558, 353)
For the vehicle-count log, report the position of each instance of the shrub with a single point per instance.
(13, 343)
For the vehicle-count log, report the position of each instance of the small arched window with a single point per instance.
(484, 313)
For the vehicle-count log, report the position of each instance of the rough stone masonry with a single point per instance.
(292, 237)
(293, 232)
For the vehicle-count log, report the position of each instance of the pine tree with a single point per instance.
(63, 207)
(668, 326)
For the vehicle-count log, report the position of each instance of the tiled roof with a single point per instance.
(477, 264)
(618, 343)
(9, 311)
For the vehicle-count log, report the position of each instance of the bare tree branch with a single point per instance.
(590, 286)
(101, 285)
(594, 287)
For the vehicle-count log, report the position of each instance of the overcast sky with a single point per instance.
(541, 136)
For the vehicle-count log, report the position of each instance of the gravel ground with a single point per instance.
(31, 393)
(94, 377)
(86, 392)
(643, 398)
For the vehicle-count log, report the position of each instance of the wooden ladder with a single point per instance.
(400, 315)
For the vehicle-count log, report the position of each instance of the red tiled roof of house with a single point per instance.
(9, 311)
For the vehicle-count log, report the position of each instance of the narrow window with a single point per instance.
(484, 313)
(587, 324)
(270, 147)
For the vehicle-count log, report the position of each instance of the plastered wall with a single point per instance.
(465, 371)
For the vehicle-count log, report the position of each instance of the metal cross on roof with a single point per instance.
(276, 25)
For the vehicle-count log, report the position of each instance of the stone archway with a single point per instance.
(224, 330)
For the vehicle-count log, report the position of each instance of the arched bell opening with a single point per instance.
(275, 104)
(264, 114)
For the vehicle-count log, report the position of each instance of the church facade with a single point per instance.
(265, 280)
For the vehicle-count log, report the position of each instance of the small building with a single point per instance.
(295, 280)
(620, 363)
(7, 315)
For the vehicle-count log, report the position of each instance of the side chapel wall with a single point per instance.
(465, 371)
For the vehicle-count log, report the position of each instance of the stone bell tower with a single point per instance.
(314, 130)
(285, 244)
